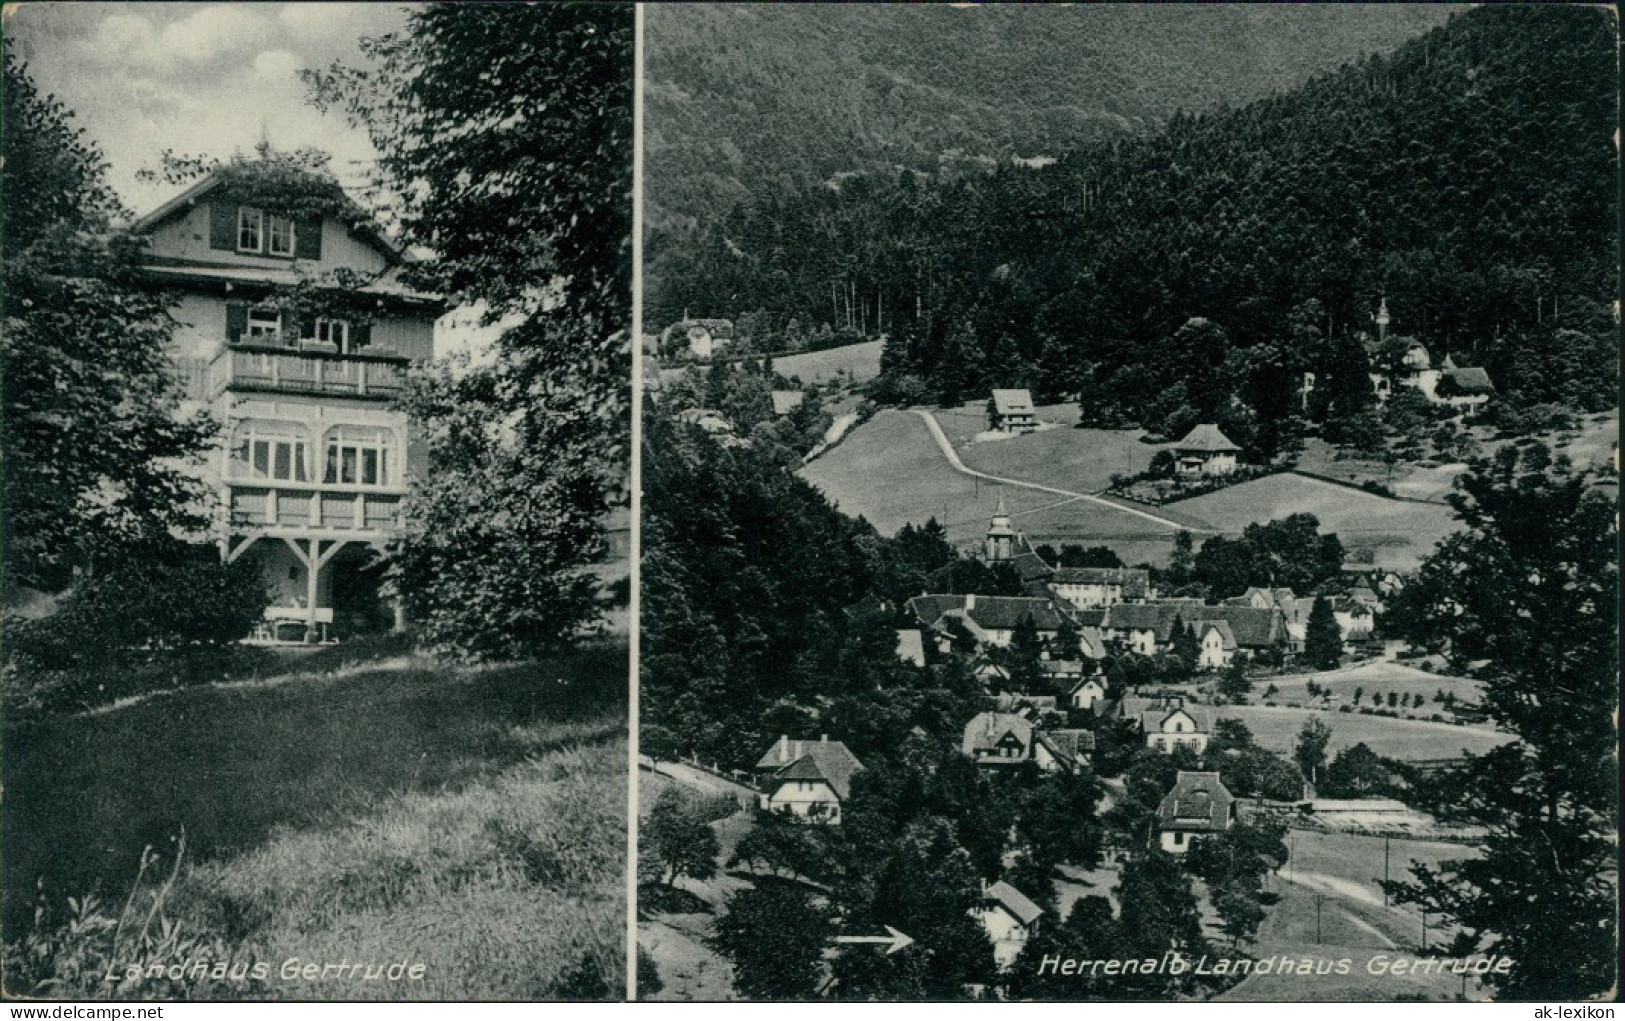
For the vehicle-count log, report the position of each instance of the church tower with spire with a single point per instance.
(1001, 538)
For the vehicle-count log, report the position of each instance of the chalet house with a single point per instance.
(1464, 389)
(1198, 804)
(1092, 587)
(809, 780)
(316, 462)
(1087, 693)
(1006, 740)
(1205, 451)
(1147, 628)
(1166, 721)
(1011, 411)
(1010, 919)
(1294, 611)
(704, 337)
(1354, 618)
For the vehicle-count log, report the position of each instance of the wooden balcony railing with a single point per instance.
(319, 372)
(301, 506)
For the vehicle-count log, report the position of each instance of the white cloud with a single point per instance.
(206, 35)
(277, 65)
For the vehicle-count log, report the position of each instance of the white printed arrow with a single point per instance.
(895, 939)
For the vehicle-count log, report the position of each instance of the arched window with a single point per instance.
(359, 456)
(273, 451)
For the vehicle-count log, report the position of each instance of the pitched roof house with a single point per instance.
(1012, 411)
(810, 780)
(1000, 740)
(1198, 804)
(1010, 918)
(1169, 723)
(1093, 587)
(317, 462)
(992, 620)
(1205, 451)
(1147, 628)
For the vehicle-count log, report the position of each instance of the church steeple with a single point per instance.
(1001, 537)
(1382, 319)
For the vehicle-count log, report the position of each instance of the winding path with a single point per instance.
(952, 455)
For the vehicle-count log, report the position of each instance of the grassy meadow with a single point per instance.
(1277, 727)
(471, 819)
(854, 363)
(1400, 533)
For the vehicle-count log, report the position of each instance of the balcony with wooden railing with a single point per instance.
(307, 371)
(301, 508)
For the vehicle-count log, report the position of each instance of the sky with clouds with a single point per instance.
(201, 79)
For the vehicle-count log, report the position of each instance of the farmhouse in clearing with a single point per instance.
(809, 780)
(317, 462)
(1006, 740)
(1205, 451)
(1199, 804)
(1011, 411)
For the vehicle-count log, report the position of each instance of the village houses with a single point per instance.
(1166, 722)
(808, 780)
(1000, 740)
(316, 461)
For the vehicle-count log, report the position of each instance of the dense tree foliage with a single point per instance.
(97, 452)
(1197, 273)
(775, 936)
(517, 177)
(1526, 599)
(743, 102)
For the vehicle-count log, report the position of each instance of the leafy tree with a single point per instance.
(1183, 640)
(778, 844)
(1235, 684)
(527, 451)
(1310, 751)
(99, 460)
(1526, 599)
(1240, 914)
(774, 935)
(1023, 655)
(1158, 914)
(1323, 638)
(1355, 772)
(680, 839)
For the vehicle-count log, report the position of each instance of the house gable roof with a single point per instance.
(830, 761)
(1012, 900)
(1208, 439)
(1004, 613)
(360, 222)
(1013, 402)
(1198, 802)
(1464, 382)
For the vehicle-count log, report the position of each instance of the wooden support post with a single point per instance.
(313, 568)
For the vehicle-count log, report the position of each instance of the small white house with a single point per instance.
(1010, 918)
(1086, 693)
(1011, 411)
(1205, 451)
(1199, 804)
(809, 780)
(1172, 724)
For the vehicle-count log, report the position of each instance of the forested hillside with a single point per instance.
(1470, 177)
(746, 99)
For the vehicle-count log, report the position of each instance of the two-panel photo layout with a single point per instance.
(600, 502)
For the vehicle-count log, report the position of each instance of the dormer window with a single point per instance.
(260, 232)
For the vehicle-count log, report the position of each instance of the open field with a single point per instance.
(1380, 676)
(1081, 460)
(854, 363)
(1340, 871)
(471, 819)
(1276, 728)
(1592, 446)
(890, 471)
(1400, 533)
